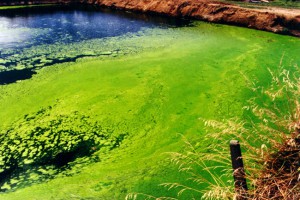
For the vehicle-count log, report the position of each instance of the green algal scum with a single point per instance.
(174, 77)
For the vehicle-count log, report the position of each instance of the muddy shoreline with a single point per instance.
(282, 21)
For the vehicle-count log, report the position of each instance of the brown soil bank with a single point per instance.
(277, 20)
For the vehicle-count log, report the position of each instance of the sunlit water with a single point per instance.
(27, 28)
(25, 34)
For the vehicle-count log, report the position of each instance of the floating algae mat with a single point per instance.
(97, 127)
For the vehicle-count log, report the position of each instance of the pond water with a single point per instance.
(26, 28)
(98, 127)
(35, 28)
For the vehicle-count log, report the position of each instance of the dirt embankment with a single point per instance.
(283, 21)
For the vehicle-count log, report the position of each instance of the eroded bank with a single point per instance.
(282, 21)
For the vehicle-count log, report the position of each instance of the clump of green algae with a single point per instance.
(47, 144)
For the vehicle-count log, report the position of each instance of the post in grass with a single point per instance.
(240, 183)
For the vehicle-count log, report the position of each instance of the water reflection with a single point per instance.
(25, 28)
(12, 34)
(41, 36)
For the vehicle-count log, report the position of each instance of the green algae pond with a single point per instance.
(97, 112)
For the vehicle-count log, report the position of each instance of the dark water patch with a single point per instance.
(27, 12)
(66, 24)
(12, 76)
(40, 64)
(35, 37)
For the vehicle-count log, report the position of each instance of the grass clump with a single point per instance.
(270, 138)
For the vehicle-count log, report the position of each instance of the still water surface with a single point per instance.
(26, 34)
(48, 25)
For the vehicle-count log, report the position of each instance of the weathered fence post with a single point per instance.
(240, 183)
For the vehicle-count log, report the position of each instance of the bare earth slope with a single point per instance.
(277, 20)
(284, 21)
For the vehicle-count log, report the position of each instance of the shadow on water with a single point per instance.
(13, 76)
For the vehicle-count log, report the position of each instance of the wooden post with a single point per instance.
(240, 183)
